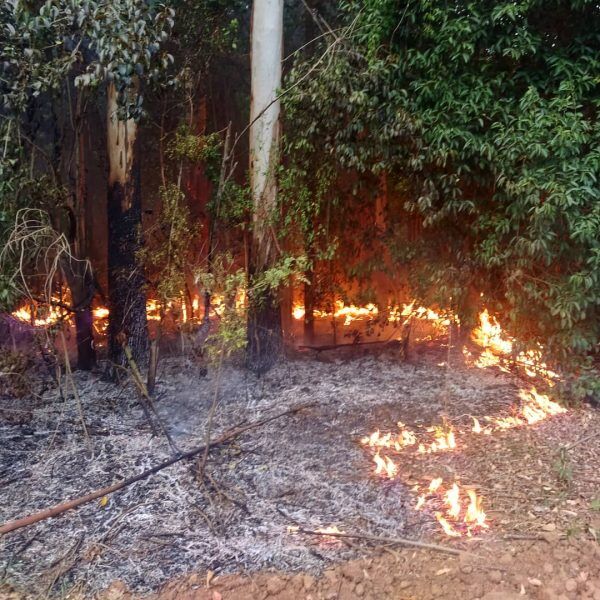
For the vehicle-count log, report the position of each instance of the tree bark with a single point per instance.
(127, 323)
(265, 338)
(80, 276)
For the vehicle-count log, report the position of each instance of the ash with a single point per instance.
(306, 469)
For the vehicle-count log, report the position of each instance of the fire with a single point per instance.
(41, 315)
(447, 528)
(497, 347)
(351, 313)
(452, 499)
(455, 513)
(489, 335)
(298, 312)
(406, 437)
(535, 407)
(475, 514)
(444, 440)
(385, 466)
(435, 484)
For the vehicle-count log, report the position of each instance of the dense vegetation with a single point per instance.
(478, 122)
(485, 115)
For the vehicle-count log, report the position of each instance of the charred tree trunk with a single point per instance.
(265, 339)
(127, 323)
(80, 276)
(80, 280)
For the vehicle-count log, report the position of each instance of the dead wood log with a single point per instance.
(70, 504)
(382, 540)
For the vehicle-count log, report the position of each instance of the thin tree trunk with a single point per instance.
(82, 284)
(265, 338)
(127, 323)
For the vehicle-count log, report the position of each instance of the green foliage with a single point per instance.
(227, 282)
(204, 149)
(272, 279)
(167, 257)
(563, 467)
(120, 40)
(485, 116)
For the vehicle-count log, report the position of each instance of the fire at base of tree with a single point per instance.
(289, 285)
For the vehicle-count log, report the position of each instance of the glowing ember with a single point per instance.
(101, 312)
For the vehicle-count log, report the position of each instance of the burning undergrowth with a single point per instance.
(309, 470)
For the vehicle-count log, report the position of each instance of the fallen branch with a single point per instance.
(382, 540)
(70, 504)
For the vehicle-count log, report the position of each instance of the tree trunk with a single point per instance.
(79, 275)
(264, 319)
(127, 323)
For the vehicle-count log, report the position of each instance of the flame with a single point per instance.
(41, 315)
(497, 347)
(447, 528)
(444, 440)
(475, 514)
(452, 499)
(406, 437)
(351, 312)
(535, 407)
(385, 466)
(298, 312)
(435, 484)
(489, 335)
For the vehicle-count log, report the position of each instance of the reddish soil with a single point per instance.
(546, 570)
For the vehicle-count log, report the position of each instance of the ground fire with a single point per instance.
(456, 511)
(299, 300)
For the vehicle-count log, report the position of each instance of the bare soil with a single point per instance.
(171, 535)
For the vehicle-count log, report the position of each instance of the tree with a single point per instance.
(125, 36)
(92, 46)
(264, 319)
(500, 164)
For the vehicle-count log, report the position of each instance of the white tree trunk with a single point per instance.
(266, 54)
(121, 137)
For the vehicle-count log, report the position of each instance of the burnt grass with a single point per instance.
(306, 469)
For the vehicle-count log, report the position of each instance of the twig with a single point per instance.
(581, 440)
(383, 540)
(70, 504)
(69, 374)
(146, 399)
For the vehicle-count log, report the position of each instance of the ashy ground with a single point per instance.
(226, 534)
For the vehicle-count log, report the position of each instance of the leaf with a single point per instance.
(103, 501)
(595, 504)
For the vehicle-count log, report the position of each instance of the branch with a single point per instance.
(383, 540)
(76, 502)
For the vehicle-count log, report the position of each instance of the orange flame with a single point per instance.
(475, 515)
(385, 466)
